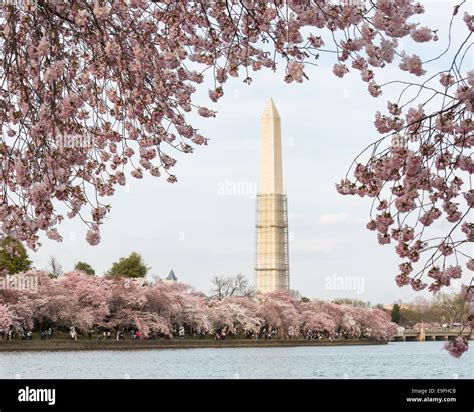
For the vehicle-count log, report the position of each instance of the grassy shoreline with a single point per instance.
(83, 344)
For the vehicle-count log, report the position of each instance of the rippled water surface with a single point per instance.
(395, 360)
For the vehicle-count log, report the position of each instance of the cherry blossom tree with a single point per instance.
(352, 321)
(22, 313)
(419, 171)
(53, 306)
(189, 310)
(234, 316)
(74, 299)
(278, 312)
(351, 324)
(132, 306)
(5, 319)
(415, 185)
(89, 295)
(20, 297)
(318, 322)
(336, 311)
(378, 326)
(148, 323)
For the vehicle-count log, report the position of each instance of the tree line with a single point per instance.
(160, 310)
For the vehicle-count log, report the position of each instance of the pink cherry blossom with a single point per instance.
(93, 235)
(295, 72)
(457, 346)
(340, 70)
(412, 64)
(469, 20)
(5, 319)
(374, 89)
(422, 34)
(43, 47)
(446, 79)
(318, 322)
(316, 41)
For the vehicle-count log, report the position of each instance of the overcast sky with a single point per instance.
(203, 225)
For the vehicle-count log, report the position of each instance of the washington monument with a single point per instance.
(272, 267)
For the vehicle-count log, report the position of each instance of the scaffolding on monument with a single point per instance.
(271, 239)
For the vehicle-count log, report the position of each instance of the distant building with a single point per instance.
(171, 278)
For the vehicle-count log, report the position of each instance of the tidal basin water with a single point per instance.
(406, 360)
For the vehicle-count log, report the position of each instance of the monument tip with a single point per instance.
(270, 109)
